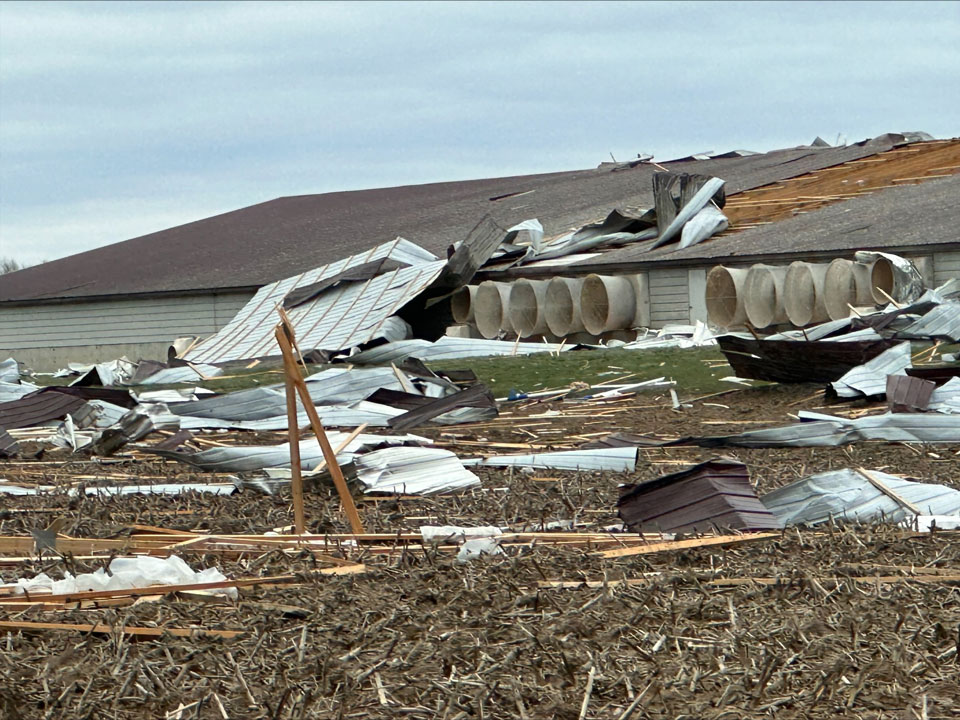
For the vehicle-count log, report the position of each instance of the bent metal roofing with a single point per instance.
(263, 243)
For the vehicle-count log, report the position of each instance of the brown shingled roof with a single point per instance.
(262, 243)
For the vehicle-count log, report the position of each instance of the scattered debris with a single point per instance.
(859, 496)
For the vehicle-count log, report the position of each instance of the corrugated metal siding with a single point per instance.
(116, 322)
(946, 265)
(669, 297)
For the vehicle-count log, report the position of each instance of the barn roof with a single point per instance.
(250, 247)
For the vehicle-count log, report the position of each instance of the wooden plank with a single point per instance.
(879, 485)
(293, 435)
(658, 547)
(285, 338)
(20, 626)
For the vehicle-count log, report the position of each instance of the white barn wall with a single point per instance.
(946, 265)
(669, 296)
(50, 334)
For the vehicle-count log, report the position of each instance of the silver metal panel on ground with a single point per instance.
(848, 495)
(341, 385)
(450, 348)
(829, 431)
(946, 398)
(98, 414)
(173, 375)
(871, 378)
(246, 458)
(344, 316)
(621, 459)
(353, 415)
(412, 471)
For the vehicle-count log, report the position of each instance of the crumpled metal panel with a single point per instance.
(450, 348)
(353, 415)
(691, 208)
(871, 378)
(336, 386)
(705, 224)
(848, 495)
(829, 431)
(245, 458)
(619, 459)
(10, 391)
(186, 374)
(412, 471)
(345, 316)
(9, 371)
(942, 323)
(946, 398)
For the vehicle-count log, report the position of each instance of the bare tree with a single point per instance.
(9, 265)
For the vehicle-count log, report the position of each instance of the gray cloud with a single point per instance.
(118, 119)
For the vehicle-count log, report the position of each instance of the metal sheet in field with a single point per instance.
(848, 495)
(345, 316)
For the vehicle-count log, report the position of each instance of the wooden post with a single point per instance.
(285, 337)
(293, 435)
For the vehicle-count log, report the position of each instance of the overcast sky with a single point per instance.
(119, 119)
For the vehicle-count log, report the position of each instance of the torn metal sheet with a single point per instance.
(705, 224)
(672, 336)
(357, 273)
(476, 398)
(328, 387)
(619, 459)
(345, 316)
(341, 385)
(114, 372)
(870, 379)
(450, 348)
(946, 398)
(691, 207)
(940, 323)
(173, 396)
(9, 371)
(98, 414)
(14, 391)
(353, 415)
(704, 497)
(849, 495)
(829, 431)
(246, 458)
(185, 374)
(411, 471)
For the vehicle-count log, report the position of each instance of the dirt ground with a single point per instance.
(422, 636)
